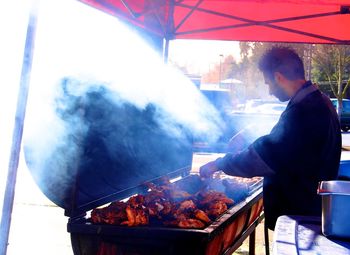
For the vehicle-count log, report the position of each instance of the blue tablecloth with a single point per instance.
(301, 235)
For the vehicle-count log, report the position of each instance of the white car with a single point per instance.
(270, 108)
(265, 107)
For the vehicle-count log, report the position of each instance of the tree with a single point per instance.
(228, 66)
(251, 52)
(331, 63)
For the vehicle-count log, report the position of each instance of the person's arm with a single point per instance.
(276, 150)
(245, 164)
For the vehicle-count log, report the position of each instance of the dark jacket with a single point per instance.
(302, 149)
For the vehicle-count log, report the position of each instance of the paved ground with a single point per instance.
(39, 227)
(259, 243)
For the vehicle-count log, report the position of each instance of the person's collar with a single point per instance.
(305, 90)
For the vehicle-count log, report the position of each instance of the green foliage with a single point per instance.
(326, 65)
(331, 64)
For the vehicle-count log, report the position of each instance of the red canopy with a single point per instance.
(305, 21)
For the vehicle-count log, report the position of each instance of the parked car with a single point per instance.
(345, 114)
(269, 108)
(255, 119)
(265, 106)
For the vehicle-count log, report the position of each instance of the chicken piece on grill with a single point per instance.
(130, 213)
(187, 215)
(187, 205)
(200, 215)
(154, 196)
(183, 210)
(135, 217)
(212, 196)
(141, 218)
(167, 189)
(190, 223)
(136, 201)
(168, 207)
(216, 209)
(164, 185)
(184, 221)
(154, 209)
(113, 214)
(159, 208)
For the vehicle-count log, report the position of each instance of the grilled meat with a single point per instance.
(199, 214)
(208, 197)
(136, 217)
(216, 209)
(136, 201)
(166, 204)
(187, 205)
(191, 223)
(114, 214)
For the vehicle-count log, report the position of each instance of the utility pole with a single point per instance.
(221, 56)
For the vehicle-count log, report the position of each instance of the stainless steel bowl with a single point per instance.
(335, 208)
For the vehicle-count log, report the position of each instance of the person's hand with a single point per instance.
(207, 170)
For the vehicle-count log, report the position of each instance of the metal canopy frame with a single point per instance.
(162, 13)
(266, 23)
(18, 129)
(169, 30)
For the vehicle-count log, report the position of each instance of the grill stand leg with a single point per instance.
(266, 235)
(252, 243)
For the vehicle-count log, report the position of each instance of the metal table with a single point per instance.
(302, 235)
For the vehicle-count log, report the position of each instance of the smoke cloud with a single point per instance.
(98, 92)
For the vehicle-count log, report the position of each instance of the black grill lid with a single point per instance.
(110, 146)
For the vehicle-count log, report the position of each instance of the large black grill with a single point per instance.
(113, 148)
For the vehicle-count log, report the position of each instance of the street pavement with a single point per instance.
(39, 227)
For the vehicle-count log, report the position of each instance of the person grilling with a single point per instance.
(301, 150)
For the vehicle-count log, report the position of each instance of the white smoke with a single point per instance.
(84, 43)
(74, 40)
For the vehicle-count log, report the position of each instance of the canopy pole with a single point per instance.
(166, 51)
(169, 32)
(18, 129)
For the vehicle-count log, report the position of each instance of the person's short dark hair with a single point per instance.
(283, 60)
